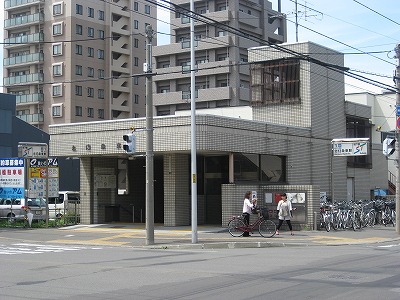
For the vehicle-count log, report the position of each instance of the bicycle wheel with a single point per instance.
(236, 227)
(267, 228)
(327, 222)
(393, 215)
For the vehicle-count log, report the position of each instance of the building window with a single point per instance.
(101, 15)
(136, 61)
(147, 9)
(56, 90)
(57, 28)
(100, 54)
(78, 90)
(100, 113)
(90, 92)
(90, 32)
(79, 9)
(57, 69)
(78, 70)
(135, 80)
(56, 110)
(90, 72)
(136, 6)
(57, 49)
(275, 82)
(100, 73)
(101, 34)
(359, 128)
(78, 49)
(90, 12)
(78, 29)
(136, 115)
(90, 52)
(136, 43)
(78, 111)
(90, 112)
(136, 24)
(57, 9)
(136, 99)
(100, 93)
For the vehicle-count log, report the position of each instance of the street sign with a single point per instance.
(398, 122)
(350, 147)
(32, 150)
(398, 110)
(12, 178)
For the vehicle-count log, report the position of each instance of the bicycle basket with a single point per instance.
(255, 210)
(265, 214)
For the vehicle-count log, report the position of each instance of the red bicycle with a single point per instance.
(237, 226)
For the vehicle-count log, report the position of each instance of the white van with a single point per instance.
(17, 208)
(58, 206)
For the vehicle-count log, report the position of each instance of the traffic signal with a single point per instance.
(388, 146)
(130, 143)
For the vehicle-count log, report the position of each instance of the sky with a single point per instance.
(348, 26)
(365, 27)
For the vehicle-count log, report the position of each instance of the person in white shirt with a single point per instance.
(247, 206)
(284, 210)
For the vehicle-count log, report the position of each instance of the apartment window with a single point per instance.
(57, 69)
(57, 9)
(101, 15)
(100, 73)
(57, 49)
(100, 113)
(90, 112)
(136, 43)
(90, 12)
(101, 34)
(78, 70)
(100, 93)
(90, 92)
(78, 90)
(78, 29)
(90, 52)
(90, 32)
(56, 90)
(100, 54)
(136, 24)
(136, 6)
(78, 111)
(275, 82)
(136, 61)
(147, 9)
(136, 115)
(135, 80)
(136, 99)
(56, 110)
(78, 49)
(90, 72)
(57, 28)
(79, 9)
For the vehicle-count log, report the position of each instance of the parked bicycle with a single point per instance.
(237, 226)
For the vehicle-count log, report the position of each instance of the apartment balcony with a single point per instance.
(250, 20)
(121, 45)
(24, 79)
(32, 119)
(120, 84)
(24, 39)
(29, 99)
(184, 47)
(24, 20)
(202, 95)
(120, 64)
(11, 4)
(32, 58)
(209, 69)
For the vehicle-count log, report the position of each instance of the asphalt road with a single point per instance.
(38, 269)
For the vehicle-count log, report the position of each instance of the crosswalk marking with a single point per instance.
(23, 248)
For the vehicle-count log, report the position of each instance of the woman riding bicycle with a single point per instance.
(247, 206)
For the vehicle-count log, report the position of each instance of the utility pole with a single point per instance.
(149, 139)
(397, 136)
(193, 178)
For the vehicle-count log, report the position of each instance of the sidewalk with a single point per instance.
(208, 237)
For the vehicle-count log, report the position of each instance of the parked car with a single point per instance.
(18, 208)
(58, 206)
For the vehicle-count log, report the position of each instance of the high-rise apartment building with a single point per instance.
(222, 77)
(72, 61)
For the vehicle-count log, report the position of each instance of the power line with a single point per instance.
(376, 12)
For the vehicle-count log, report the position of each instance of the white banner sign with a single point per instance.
(350, 148)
